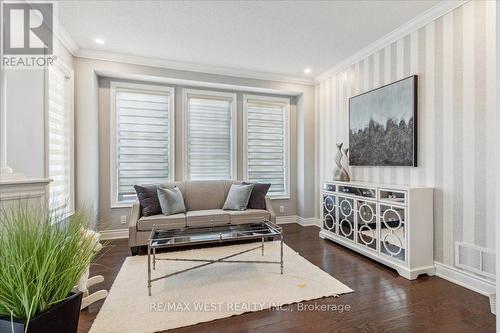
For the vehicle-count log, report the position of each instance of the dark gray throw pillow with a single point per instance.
(148, 198)
(171, 200)
(238, 196)
(258, 196)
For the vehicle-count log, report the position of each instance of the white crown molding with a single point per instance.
(416, 23)
(184, 66)
(66, 40)
(465, 279)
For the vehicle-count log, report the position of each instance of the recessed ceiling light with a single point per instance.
(307, 70)
(99, 41)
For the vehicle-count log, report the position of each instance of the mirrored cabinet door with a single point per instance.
(367, 232)
(329, 213)
(346, 218)
(393, 232)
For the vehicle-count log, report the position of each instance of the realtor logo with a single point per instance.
(27, 28)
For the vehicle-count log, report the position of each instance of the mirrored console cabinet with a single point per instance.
(389, 223)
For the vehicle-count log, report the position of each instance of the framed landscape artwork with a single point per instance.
(383, 125)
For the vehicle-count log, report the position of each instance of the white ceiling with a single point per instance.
(278, 37)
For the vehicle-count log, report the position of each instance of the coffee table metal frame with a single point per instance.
(161, 237)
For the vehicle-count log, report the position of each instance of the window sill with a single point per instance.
(65, 217)
(122, 205)
(280, 197)
(69, 214)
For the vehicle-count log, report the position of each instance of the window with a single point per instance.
(60, 140)
(266, 142)
(210, 135)
(142, 138)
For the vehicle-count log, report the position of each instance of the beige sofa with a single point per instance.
(204, 201)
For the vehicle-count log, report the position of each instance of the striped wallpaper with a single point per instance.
(454, 58)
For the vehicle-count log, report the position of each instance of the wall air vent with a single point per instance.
(476, 259)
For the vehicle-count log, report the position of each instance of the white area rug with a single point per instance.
(212, 292)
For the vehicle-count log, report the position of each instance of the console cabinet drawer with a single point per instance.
(329, 187)
(392, 196)
(358, 191)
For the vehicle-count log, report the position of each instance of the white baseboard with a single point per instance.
(307, 221)
(303, 221)
(470, 281)
(114, 234)
(286, 219)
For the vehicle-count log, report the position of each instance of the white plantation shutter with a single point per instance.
(143, 139)
(60, 140)
(209, 137)
(266, 142)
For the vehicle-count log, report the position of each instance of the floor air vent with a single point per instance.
(475, 259)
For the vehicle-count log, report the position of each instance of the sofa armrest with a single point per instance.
(270, 209)
(135, 215)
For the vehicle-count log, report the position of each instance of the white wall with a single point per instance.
(25, 113)
(454, 58)
(25, 99)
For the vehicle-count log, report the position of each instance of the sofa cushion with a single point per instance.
(203, 195)
(238, 196)
(176, 221)
(171, 200)
(207, 217)
(249, 216)
(148, 198)
(258, 196)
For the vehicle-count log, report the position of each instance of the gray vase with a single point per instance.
(337, 168)
(345, 175)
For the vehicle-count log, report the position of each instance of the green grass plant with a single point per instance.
(42, 257)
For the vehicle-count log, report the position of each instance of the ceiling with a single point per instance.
(276, 37)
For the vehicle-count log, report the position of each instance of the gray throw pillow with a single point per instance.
(148, 198)
(238, 196)
(258, 196)
(171, 200)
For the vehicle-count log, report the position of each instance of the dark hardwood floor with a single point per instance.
(382, 301)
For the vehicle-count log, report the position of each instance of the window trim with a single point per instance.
(234, 136)
(286, 102)
(147, 88)
(67, 70)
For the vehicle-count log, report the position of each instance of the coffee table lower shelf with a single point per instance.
(162, 238)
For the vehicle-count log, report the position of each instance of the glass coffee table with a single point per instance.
(163, 238)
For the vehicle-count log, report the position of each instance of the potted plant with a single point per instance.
(42, 256)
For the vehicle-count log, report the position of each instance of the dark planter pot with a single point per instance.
(61, 318)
